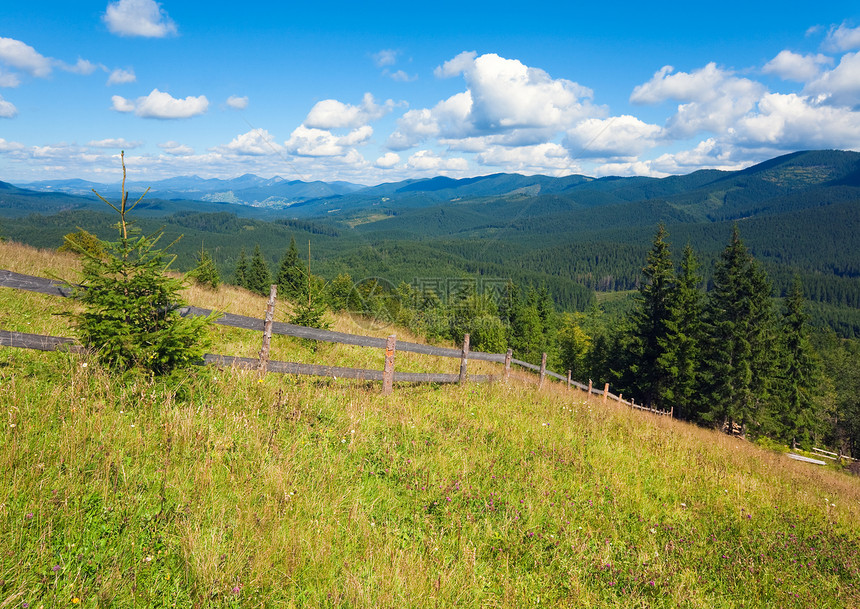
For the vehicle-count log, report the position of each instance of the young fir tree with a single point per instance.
(240, 275)
(682, 343)
(130, 315)
(259, 280)
(651, 355)
(205, 273)
(799, 377)
(291, 278)
(740, 327)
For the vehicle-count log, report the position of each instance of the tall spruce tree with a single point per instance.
(291, 278)
(205, 273)
(259, 279)
(651, 356)
(740, 354)
(798, 372)
(240, 275)
(682, 343)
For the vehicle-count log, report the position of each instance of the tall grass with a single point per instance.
(224, 488)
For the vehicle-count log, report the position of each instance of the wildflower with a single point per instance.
(84, 365)
(653, 531)
(236, 589)
(55, 568)
(29, 516)
(76, 601)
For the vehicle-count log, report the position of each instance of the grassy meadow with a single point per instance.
(225, 488)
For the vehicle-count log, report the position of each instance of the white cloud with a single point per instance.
(387, 160)
(426, 160)
(528, 159)
(115, 143)
(456, 66)
(7, 110)
(713, 99)
(121, 77)
(385, 57)
(332, 114)
(630, 168)
(143, 18)
(505, 102)
(708, 153)
(305, 141)
(401, 76)
(842, 38)
(620, 137)
(121, 104)
(841, 85)
(790, 122)
(237, 103)
(796, 67)
(9, 79)
(176, 149)
(161, 105)
(21, 56)
(257, 142)
(82, 66)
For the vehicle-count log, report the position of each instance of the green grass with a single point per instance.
(222, 488)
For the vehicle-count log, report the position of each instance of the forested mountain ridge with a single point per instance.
(798, 214)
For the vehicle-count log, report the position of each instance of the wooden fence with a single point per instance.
(268, 326)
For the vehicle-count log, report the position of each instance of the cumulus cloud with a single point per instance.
(21, 56)
(505, 102)
(712, 98)
(305, 141)
(426, 160)
(176, 149)
(791, 121)
(796, 67)
(143, 18)
(617, 137)
(257, 142)
(842, 38)
(161, 105)
(387, 160)
(332, 114)
(7, 109)
(528, 159)
(401, 76)
(115, 143)
(237, 103)
(121, 77)
(841, 85)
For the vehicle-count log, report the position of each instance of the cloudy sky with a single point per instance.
(338, 91)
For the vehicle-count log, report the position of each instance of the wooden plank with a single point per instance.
(17, 281)
(39, 342)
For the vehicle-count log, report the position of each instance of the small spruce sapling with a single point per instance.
(130, 314)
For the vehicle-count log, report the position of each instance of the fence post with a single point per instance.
(590, 385)
(620, 398)
(388, 371)
(267, 327)
(508, 356)
(464, 360)
(569, 372)
(542, 369)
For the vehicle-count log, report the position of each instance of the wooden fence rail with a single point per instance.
(42, 285)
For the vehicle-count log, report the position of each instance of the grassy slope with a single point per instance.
(226, 489)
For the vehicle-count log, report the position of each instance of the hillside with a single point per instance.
(222, 488)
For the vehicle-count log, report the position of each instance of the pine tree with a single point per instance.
(205, 273)
(740, 331)
(652, 364)
(259, 280)
(241, 272)
(799, 372)
(682, 343)
(291, 278)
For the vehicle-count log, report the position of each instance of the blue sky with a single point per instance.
(383, 92)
